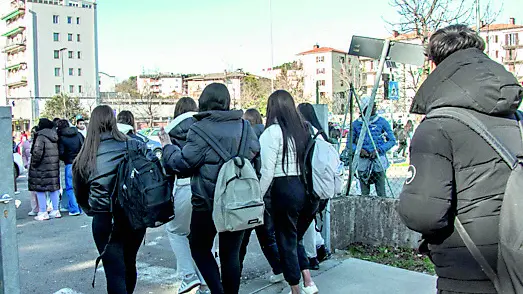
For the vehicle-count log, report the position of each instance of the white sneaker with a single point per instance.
(276, 278)
(55, 214)
(32, 213)
(17, 192)
(74, 213)
(42, 216)
(189, 283)
(309, 289)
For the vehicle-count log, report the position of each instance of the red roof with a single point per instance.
(322, 50)
(499, 27)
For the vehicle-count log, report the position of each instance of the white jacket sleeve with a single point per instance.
(270, 142)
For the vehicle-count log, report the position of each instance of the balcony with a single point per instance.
(14, 46)
(16, 81)
(512, 46)
(16, 64)
(513, 60)
(13, 30)
(15, 10)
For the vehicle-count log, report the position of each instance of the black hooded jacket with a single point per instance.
(178, 134)
(453, 170)
(197, 160)
(44, 170)
(69, 144)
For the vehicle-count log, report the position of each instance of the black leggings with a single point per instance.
(119, 259)
(293, 212)
(201, 240)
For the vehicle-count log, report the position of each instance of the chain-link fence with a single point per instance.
(375, 152)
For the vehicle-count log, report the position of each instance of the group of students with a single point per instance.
(51, 142)
(276, 150)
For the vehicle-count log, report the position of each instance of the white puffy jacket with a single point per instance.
(271, 142)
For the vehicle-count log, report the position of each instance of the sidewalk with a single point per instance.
(355, 276)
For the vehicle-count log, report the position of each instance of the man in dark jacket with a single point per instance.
(44, 170)
(198, 160)
(454, 172)
(69, 144)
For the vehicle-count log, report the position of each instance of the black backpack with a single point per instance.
(508, 276)
(142, 190)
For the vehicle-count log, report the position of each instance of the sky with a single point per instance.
(204, 36)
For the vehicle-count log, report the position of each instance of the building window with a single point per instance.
(342, 59)
(79, 55)
(342, 84)
(487, 39)
(78, 37)
(80, 89)
(56, 71)
(69, 20)
(322, 94)
(320, 58)
(57, 89)
(56, 54)
(71, 72)
(512, 39)
(56, 37)
(320, 71)
(496, 39)
(321, 83)
(79, 72)
(71, 89)
(55, 18)
(71, 54)
(70, 37)
(497, 54)
(77, 20)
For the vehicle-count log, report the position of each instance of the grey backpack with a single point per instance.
(238, 204)
(508, 278)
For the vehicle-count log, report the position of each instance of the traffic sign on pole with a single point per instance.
(394, 90)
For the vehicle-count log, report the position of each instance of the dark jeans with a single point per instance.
(402, 148)
(293, 212)
(267, 240)
(119, 259)
(201, 240)
(378, 179)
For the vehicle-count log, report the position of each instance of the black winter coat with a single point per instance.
(199, 161)
(44, 170)
(69, 144)
(258, 129)
(453, 170)
(94, 194)
(178, 134)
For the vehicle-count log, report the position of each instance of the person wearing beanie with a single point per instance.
(44, 169)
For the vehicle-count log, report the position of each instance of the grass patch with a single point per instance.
(404, 258)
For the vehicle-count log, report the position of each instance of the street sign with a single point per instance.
(394, 90)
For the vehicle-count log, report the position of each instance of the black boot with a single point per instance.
(314, 263)
(323, 253)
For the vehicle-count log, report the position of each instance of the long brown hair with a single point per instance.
(102, 121)
(185, 104)
(281, 110)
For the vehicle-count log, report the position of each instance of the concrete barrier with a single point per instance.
(369, 220)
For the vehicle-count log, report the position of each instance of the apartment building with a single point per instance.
(50, 47)
(324, 67)
(233, 81)
(162, 84)
(504, 45)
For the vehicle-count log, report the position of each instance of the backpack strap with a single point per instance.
(213, 142)
(466, 118)
(243, 143)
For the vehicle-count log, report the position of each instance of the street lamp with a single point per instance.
(63, 73)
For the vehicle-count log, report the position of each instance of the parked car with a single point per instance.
(152, 145)
(154, 135)
(145, 131)
(18, 165)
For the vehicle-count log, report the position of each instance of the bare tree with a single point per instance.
(255, 92)
(146, 104)
(292, 81)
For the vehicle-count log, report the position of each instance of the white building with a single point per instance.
(326, 67)
(165, 85)
(233, 81)
(504, 45)
(107, 83)
(50, 48)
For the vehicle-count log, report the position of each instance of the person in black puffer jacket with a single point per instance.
(454, 172)
(69, 144)
(94, 176)
(44, 170)
(199, 161)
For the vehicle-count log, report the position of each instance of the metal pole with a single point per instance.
(9, 266)
(63, 72)
(317, 92)
(349, 142)
(366, 116)
(272, 47)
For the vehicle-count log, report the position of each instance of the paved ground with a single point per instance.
(57, 256)
(60, 253)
